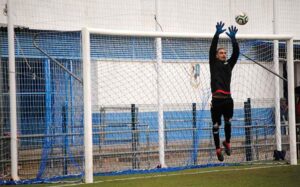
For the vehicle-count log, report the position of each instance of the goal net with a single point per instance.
(49, 106)
(151, 101)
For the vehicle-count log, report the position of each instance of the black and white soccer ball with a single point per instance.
(241, 18)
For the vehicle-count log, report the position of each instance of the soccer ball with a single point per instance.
(241, 19)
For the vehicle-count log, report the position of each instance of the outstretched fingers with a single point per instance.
(232, 31)
(219, 27)
(220, 24)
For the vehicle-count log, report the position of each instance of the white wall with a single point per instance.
(125, 83)
(174, 15)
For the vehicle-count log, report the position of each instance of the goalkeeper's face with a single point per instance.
(221, 54)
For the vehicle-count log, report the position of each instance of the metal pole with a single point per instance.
(88, 134)
(12, 92)
(134, 136)
(65, 141)
(195, 139)
(247, 109)
(291, 102)
(277, 83)
(1, 114)
(161, 138)
(157, 34)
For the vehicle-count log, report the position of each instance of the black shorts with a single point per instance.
(219, 107)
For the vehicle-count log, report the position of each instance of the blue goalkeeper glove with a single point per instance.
(219, 28)
(232, 32)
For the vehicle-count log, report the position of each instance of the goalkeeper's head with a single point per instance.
(221, 54)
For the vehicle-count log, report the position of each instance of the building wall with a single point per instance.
(124, 83)
(176, 16)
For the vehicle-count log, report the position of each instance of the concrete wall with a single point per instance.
(174, 15)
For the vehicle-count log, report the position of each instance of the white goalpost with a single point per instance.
(93, 88)
(291, 103)
(12, 90)
(87, 103)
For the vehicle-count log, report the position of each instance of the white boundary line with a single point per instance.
(175, 174)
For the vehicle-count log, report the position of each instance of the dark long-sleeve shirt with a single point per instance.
(220, 71)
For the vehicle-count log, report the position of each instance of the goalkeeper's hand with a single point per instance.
(232, 32)
(219, 28)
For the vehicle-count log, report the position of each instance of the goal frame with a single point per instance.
(86, 32)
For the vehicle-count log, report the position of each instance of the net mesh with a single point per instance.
(129, 77)
(49, 104)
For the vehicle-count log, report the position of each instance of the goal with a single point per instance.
(166, 76)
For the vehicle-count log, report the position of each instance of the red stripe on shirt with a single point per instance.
(221, 91)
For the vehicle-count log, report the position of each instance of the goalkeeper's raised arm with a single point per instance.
(235, 46)
(214, 43)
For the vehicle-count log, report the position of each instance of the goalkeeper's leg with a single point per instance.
(228, 113)
(216, 120)
(226, 143)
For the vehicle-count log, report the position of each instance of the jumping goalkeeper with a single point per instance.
(222, 102)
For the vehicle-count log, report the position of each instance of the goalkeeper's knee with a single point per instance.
(215, 129)
(228, 122)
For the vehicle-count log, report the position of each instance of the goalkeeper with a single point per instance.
(220, 71)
